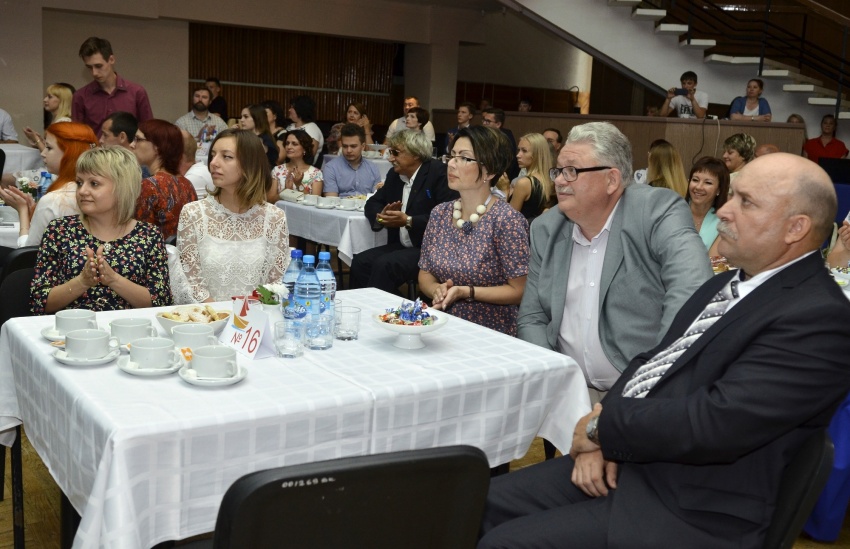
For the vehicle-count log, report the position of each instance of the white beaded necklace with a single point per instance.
(467, 226)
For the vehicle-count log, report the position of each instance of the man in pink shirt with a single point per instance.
(108, 92)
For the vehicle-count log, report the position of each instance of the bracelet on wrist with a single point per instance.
(471, 294)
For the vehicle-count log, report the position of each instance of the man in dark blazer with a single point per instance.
(695, 458)
(402, 208)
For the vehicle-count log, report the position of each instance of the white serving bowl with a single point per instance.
(409, 336)
(168, 324)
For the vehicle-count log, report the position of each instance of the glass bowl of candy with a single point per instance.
(409, 321)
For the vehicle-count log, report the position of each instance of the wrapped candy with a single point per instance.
(410, 313)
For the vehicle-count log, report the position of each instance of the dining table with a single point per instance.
(348, 230)
(148, 459)
(9, 234)
(20, 157)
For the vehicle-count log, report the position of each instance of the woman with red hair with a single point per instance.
(64, 142)
(159, 146)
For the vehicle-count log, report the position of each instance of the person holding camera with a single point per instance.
(686, 101)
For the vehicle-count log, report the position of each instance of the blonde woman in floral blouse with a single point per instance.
(102, 259)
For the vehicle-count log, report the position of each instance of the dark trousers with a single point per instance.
(385, 267)
(539, 507)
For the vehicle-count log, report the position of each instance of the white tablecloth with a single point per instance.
(20, 157)
(383, 165)
(9, 236)
(148, 459)
(349, 231)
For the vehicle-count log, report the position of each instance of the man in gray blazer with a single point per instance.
(612, 265)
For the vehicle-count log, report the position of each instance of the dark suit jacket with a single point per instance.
(430, 188)
(702, 454)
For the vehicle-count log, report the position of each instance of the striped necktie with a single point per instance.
(648, 375)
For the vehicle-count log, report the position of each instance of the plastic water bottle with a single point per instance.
(308, 291)
(44, 184)
(290, 277)
(328, 282)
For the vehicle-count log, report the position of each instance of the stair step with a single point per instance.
(789, 75)
(827, 102)
(730, 60)
(644, 14)
(670, 28)
(809, 88)
(698, 43)
(626, 3)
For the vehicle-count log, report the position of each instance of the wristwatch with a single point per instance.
(593, 430)
(409, 222)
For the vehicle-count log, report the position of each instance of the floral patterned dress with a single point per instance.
(312, 175)
(139, 256)
(494, 251)
(163, 196)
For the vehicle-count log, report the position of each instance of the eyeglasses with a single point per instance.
(487, 121)
(138, 139)
(570, 173)
(395, 152)
(464, 161)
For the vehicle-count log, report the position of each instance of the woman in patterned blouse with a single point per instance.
(474, 258)
(102, 259)
(159, 146)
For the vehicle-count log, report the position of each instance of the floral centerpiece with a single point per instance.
(29, 187)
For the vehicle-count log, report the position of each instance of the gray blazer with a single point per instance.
(654, 262)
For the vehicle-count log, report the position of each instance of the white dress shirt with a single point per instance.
(578, 336)
(403, 234)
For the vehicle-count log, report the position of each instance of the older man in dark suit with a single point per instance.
(689, 445)
(402, 208)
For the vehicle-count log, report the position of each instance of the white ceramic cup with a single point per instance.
(193, 335)
(347, 204)
(128, 330)
(75, 319)
(327, 201)
(310, 199)
(214, 361)
(154, 353)
(89, 344)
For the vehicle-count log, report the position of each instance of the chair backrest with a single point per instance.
(413, 499)
(2, 160)
(801, 485)
(15, 290)
(21, 258)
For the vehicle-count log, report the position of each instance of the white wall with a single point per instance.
(519, 53)
(596, 26)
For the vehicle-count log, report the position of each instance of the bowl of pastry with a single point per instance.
(193, 314)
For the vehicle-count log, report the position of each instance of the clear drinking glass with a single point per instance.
(289, 338)
(320, 333)
(347, 323)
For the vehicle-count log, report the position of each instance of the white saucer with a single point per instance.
(50, 334)
(63, 357)
(124, 366)
(346, 209)
(212, 382)
(331, 207)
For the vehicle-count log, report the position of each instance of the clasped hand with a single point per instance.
(97, 270)
(592, 473)
(392, 216)
(17, 199)
(445, 294)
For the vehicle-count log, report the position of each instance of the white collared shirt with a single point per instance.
(578, 335)
(403, 234)
(745, 287)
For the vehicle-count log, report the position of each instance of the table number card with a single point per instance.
(249, 331)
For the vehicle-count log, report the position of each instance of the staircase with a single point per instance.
(654, 45)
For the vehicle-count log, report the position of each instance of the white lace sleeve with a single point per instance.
(190, 231)
(277, 236)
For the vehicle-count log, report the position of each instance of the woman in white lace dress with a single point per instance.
(233, 240)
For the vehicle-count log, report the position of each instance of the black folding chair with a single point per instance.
(414, 499)
(15, 278)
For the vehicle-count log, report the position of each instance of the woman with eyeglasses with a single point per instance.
(475, 254)
(159, 146)
(533, 193)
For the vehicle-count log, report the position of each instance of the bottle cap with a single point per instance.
(296, 254)
(309, 259)
(324, 256)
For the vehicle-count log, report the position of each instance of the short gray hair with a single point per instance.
(413, 142)
(119, 165)
(609, 144)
